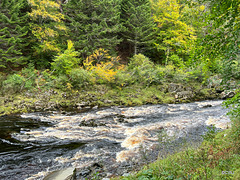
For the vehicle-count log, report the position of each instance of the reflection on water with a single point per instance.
(35, 144)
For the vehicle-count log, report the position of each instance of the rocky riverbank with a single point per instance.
(100, 96)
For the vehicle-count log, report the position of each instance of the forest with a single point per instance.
(57, 54)
(77, 42)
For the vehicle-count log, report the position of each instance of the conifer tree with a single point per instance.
(13, 32)
(138, 25)
(94, 24)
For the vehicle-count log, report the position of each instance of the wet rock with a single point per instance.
(227, 94)
(107, 101)
(184, 95)
(92, 123)
(120, 118)
(90, 171)
(82, 104)
(206, 106)
(126, 174)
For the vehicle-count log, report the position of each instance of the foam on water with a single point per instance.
(120, 133)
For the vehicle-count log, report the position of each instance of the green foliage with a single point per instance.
(13, 33)
(234, 105)
(13, 84)
(80, 77)
(138, 25)
(142, 69)
(210, 134)
(139, 60)
(222, 38)
(46, 26)
(94, 24)
(123, 78)
(61, 82)
(174, 36)
(65, 62)
(176, 60)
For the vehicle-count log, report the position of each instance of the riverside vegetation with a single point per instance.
(58, 55)
(138, 83)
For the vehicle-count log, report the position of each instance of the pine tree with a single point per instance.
(138, 23)
(13, 33)
(94, 24)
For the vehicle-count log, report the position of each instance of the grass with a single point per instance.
(217, 158)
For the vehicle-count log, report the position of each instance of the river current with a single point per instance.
(51, 145)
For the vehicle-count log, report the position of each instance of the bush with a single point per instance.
(2, 78)
(65, 62)
(30, 74)
(168, 71)
(140, 61)
(176, 60)
(102, 66)
(234, 104)
(61, 82)
(80, 77)
(13, 84)
(123, 78)
(142, 69)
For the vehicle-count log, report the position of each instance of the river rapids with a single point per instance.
(51, 145)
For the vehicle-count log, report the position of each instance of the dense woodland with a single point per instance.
(60, 36)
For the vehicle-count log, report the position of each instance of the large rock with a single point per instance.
(184, 95)
(227, 94)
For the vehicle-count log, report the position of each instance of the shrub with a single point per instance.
(2, 78)
(13, 84)
(123, 78)
(61, 81)
(176, 60)
(234, 104)
(79, 77)
(30, 75)
(167, 71)
(103, 71)
(140, 61)
(142, 69)
(65, 62)
(196, 74)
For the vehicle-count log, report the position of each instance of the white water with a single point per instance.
(121, 132)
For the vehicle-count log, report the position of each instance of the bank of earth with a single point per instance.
(103, 95)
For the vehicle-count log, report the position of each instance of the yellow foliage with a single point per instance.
(45, 9)
(106, 69)
(42, 11)
(202, 8)
(174, 32)
(47, 45)
(69, 86)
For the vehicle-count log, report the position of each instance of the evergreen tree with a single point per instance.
(94, 24)
(13, 33)
(138, 25)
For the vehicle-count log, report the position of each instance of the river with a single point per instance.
(51, 145)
